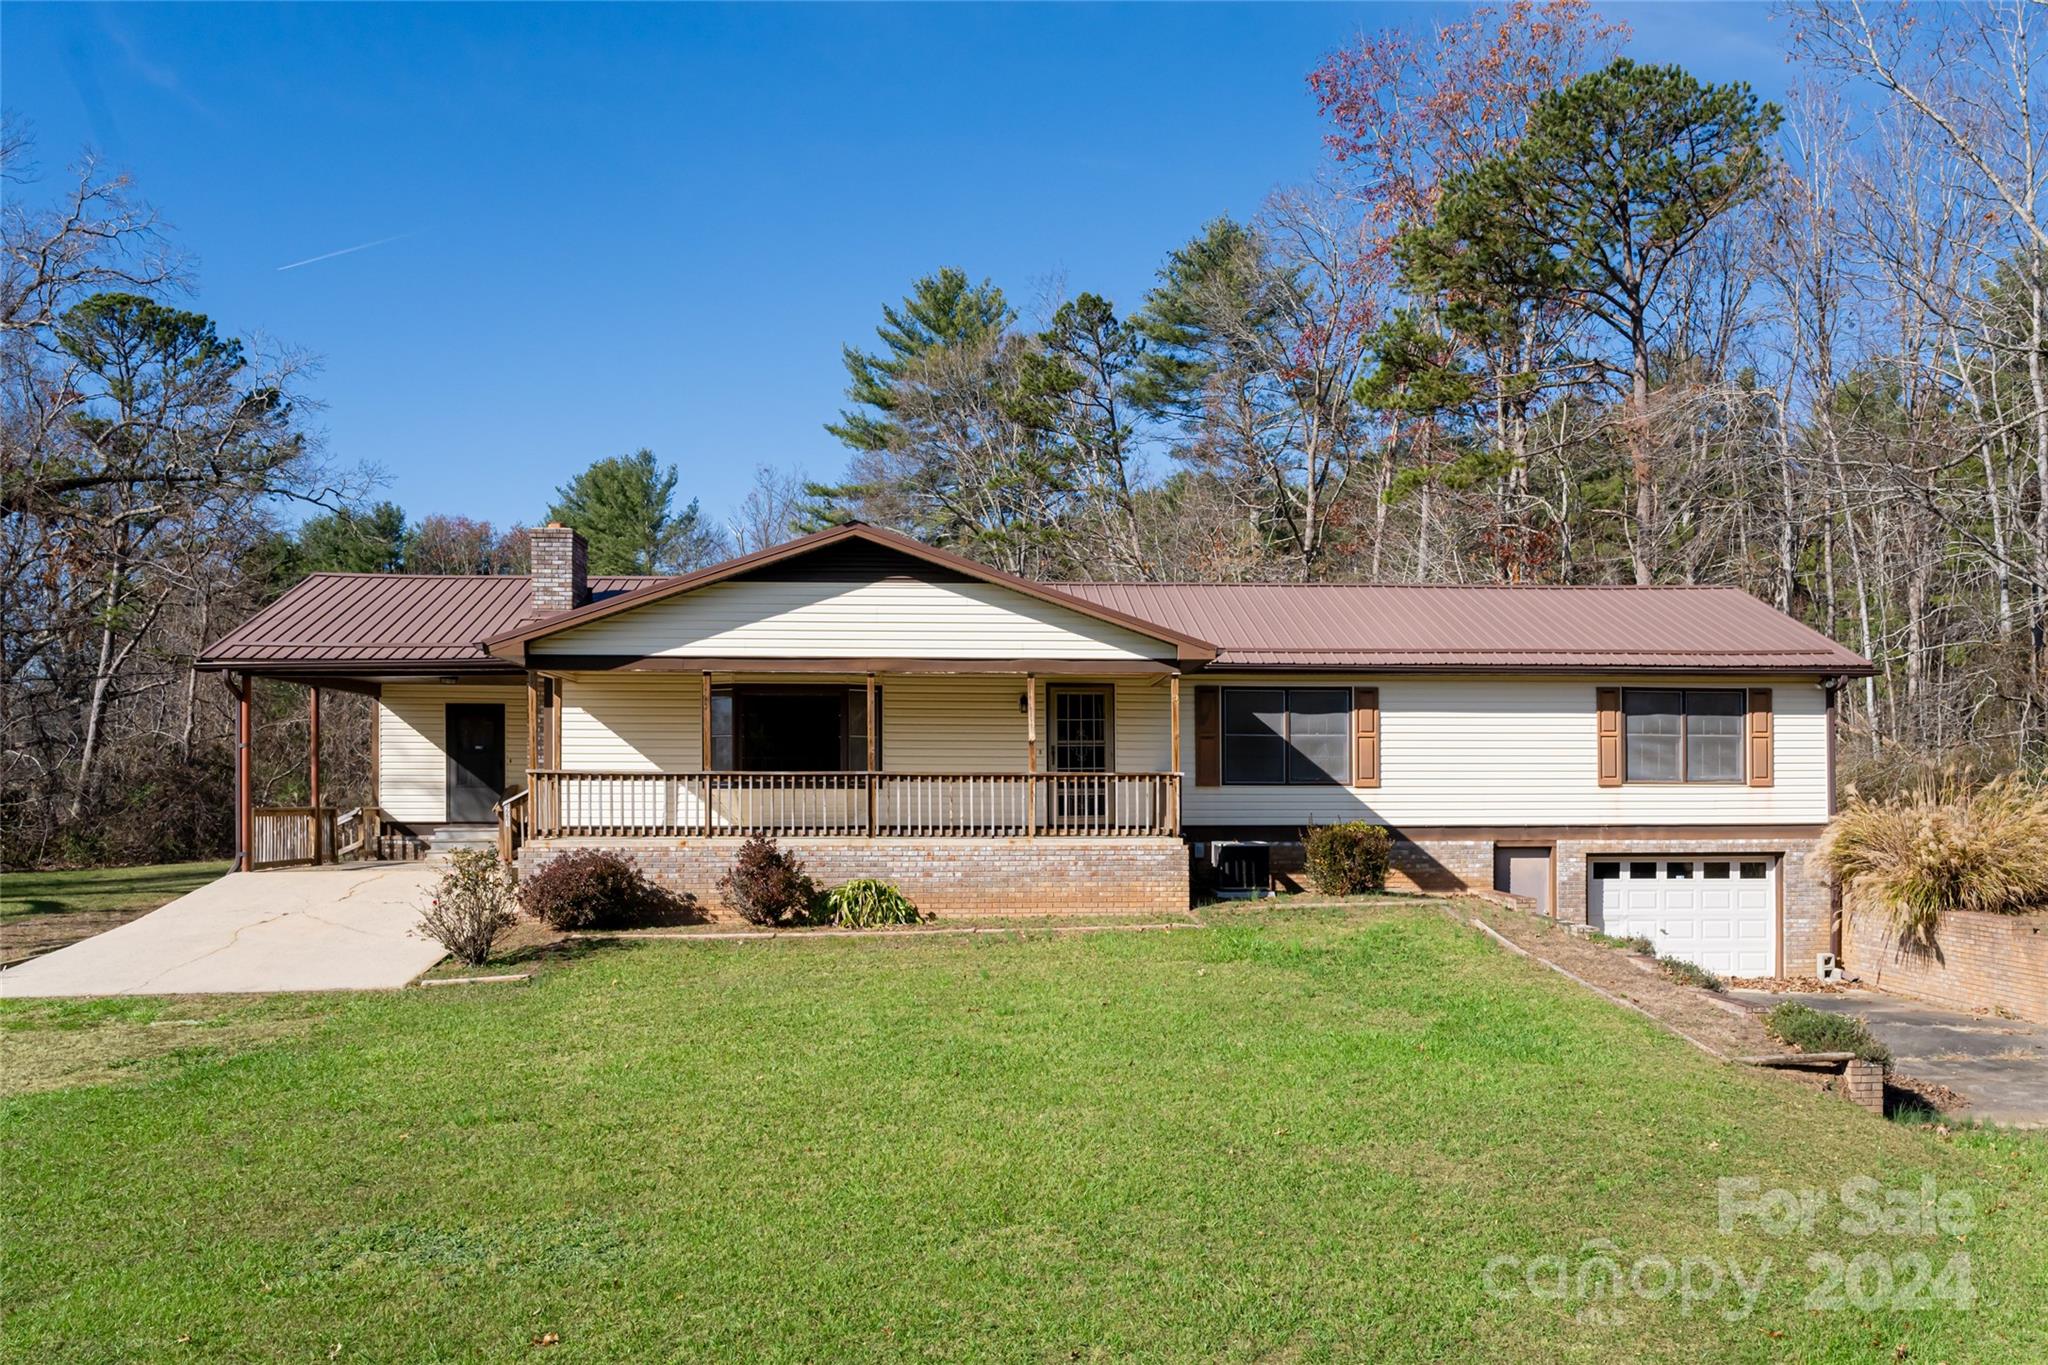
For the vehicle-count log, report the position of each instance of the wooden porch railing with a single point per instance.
(292, 836)
(511, 813)
(853, 804)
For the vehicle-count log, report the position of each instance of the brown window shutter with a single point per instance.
(1208, 737)
(1759, 736)
(1365, 727)
(1609, 704)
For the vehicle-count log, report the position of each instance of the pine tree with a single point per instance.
(624, 507)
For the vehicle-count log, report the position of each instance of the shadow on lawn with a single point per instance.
(86, 894)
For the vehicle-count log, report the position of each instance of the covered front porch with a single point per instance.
(902, 749)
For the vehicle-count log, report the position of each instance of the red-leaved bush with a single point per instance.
(589, 888)
(768, 886)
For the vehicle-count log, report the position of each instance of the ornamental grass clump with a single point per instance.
(1941, 848)
(868, 903)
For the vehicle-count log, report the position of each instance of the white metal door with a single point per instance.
(1720, 912)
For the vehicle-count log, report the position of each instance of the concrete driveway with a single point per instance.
(2000, 1064)
(295, 929)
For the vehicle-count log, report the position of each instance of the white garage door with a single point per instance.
(1719, 912)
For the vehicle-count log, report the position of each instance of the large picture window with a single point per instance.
(1683, 736)
(1275, 736)
(776, 728)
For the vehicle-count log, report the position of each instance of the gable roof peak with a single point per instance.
(512, 644)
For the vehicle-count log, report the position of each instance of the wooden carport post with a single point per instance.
(313, 768)
(245, 803)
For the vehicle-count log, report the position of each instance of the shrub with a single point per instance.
(1691, 973)
(1944, 847)
(1811, 1030)
(1635, 944)
(472, 904)
(867, 903)
(588, 888)
(1345, 860)
(768, 886)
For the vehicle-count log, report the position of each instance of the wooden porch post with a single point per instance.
(245, 801)
(532, 729)
(869, 725)
(704, 745)
(1031, 755)
(373, 810)
(1173, 762)
(313, 767)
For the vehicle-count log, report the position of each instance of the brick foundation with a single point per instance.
(948, 877)
(1976, 962)
(1465, 863)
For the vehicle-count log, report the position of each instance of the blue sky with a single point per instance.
(656, 226)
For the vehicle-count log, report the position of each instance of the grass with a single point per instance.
(100, 888)
(1294, 1135)
(1635, 944)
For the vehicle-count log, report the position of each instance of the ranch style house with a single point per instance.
(1653, 761)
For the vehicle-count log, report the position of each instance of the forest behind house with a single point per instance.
(1545, 315)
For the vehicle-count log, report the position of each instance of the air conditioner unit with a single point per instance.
(1243, 870)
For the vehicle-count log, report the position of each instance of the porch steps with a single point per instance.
(449, 838)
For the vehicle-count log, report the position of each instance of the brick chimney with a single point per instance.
(559, 567)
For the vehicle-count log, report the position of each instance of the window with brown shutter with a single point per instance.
(1365, 721)
(1208, 737)
(1608, 702)
(1759, 736)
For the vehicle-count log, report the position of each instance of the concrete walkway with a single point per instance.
(2001, 1065)
(295, 929)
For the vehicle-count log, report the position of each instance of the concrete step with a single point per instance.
(451, 837)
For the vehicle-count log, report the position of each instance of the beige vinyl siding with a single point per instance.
(1518, 750)
(892, 618)
(412, 736)
(931, 723)
(631, 722)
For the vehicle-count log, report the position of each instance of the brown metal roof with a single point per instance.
(398, 622)
(1356, 625)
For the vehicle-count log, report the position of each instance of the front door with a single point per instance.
(476, 761)
(1081, 743)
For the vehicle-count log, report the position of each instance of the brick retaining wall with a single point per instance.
(1976, 962)
(941, 876)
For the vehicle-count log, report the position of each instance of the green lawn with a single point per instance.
(100, 888)
(1294, 1136)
